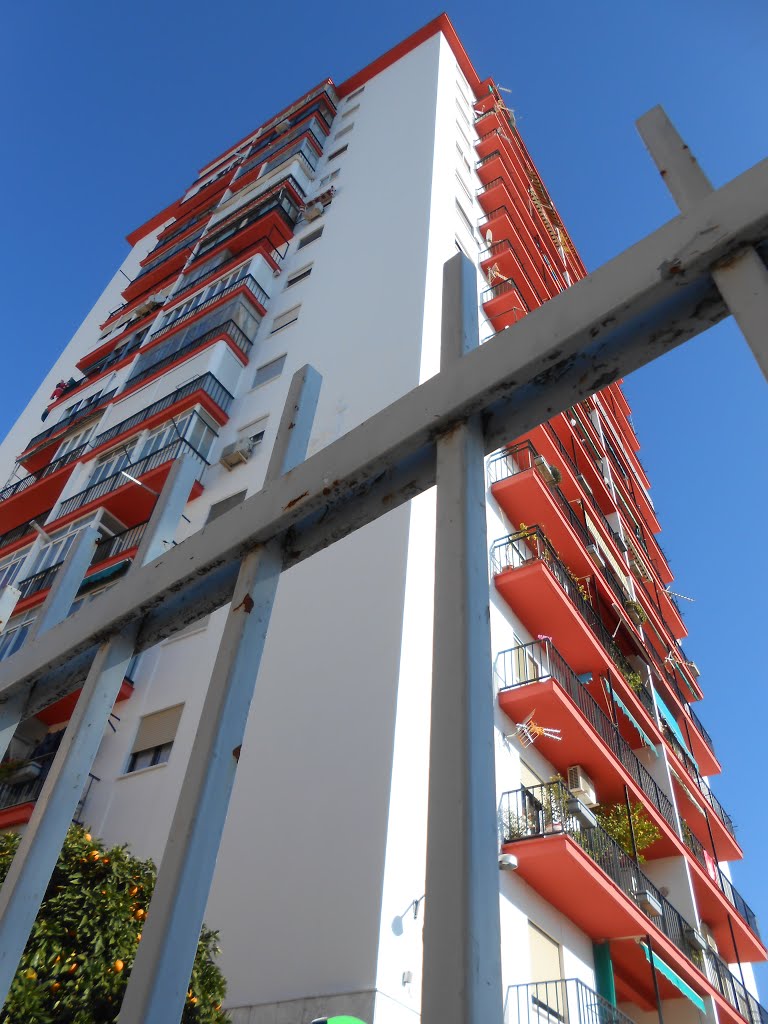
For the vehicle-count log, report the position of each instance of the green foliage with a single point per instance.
(636, 611)
(77, 962)
(615, 821)
(634, 679)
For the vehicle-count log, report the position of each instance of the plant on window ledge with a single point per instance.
(634, 679)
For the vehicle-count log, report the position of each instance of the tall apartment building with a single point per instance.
(320, 238)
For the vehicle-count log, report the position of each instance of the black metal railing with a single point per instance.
(531, 545)
(539, 811)
(81, 413)
(244, 282)
(276, 151)
(190, 281)
(693, 771)
(724, 884)
(207, 383)
(115, 356)
(136, 469)
(540, 660)
(10, 536)
(503, 288)
(186, 243)
(163, 241)
(109, 547)
(33, 478)
(281, 202)
(567, 1001)
(228, 327)
(14, 793)
(505, 246)
(39, 581)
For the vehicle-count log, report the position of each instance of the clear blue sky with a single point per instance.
(109, 109)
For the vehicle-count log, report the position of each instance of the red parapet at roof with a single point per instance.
(138, 233)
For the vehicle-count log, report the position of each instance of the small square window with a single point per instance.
(348, 113)
(311, 237)
(331, 176)
(154, 738)
(220, 507)
(355, 93)
(344, 131)
(269, 370)
(338, 152)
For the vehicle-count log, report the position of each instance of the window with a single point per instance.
(73, 441)
(463, 116)
(337, 152)
(355, 93)
(344, 131)
(298, 275)
(466, 191)
(331, 176)
(348, 113)
(91, 595)
(112, 462)
(288, 317)
(12, 639)
(461, 133)
(220, 507)
(547, 992)
(465, 220)
(154, 738)
(9, 569)
(191, 427)
(311, 237)
(269, 370)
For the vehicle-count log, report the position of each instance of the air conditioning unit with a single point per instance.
(283, 126)
(235, 454)
(581, 785)
(595, 554)
(313, 210)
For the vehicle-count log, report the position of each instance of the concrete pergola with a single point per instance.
(700, 267)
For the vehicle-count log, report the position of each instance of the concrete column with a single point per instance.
(462, 940)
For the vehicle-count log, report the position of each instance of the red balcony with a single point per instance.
(62, 710)
(504, 304)
(700, 807)
(505, 223)
(130, 502)
(29, 496)
(586, 875)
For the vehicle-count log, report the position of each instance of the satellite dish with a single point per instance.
(489, 236)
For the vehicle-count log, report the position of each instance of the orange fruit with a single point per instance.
(94, 854)
(87, 837)
(139, 914)
(31, 974)
(138, 937)
(73, 968)
(119, 965)
(55, 986)
(134, 890)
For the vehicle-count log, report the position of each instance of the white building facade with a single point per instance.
(321, 239)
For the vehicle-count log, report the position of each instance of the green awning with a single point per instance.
(669, 718)
(677, 981)
(643, 735)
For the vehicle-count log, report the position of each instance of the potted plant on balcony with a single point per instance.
(23, 771)
(614, 820)
(634, 679)
(549, 474)
(635, 611)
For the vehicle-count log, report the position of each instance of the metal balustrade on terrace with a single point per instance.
(33, 478)
(21, 531)
(274, 152)
(571, 861)
(234, 230)
(523, 565)
(164, 239)
(186, 284)
(207, 383)
(17, 800)
(503, 255)
(106, 549)
(226, 329)
(562, 1000)
(180, 247)
(248, 284)
(121, 481)
(535, 676)
(76, 416)
(706, 874)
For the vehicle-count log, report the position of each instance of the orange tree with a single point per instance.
(79, 956)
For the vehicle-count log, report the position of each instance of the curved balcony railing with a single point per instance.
(33, 478)
(82, 413)
(540, 811)
(244, 282)
(207, 383)
(228, 327)
(540, 660)
(135, 469)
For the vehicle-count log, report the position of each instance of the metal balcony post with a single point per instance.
(158, 985)
(462, 941)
